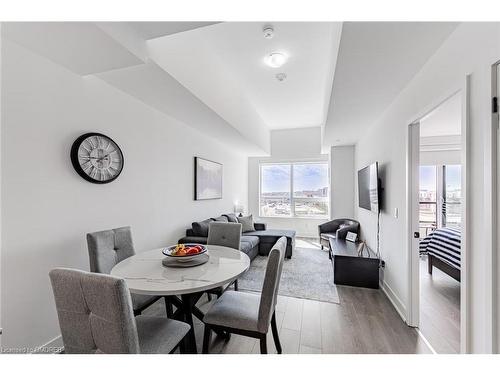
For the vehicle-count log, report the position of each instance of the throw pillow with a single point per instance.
(246, 223)
(200, 228)
(221, 218)
(231, 218)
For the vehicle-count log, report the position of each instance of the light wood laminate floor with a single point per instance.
(439, 309)
(364, 322)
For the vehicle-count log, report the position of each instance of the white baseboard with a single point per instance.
(395, 300)
(54, 346)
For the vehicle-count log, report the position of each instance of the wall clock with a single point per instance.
(96, 158)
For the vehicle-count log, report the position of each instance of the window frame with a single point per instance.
(444, 223)
(436, 221)
(440, 221)
(292, 198)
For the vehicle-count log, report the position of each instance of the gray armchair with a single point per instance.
(337, 228)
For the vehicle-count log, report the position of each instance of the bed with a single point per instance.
(442, 248)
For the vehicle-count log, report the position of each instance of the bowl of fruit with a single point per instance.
(185, 252)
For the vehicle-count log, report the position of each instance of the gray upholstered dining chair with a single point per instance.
(224, 234)
(109, 247)
(96, 316)
(250, 314)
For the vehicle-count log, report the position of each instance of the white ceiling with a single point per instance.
(376, 60)
(153, 86)
(117, 53)
(223, 65)
(197, 70)
(150, 30)
(444, 120)
(81, 47)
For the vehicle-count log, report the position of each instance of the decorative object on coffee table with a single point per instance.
(207, 179)
(351, 236)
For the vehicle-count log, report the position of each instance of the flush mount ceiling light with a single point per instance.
(276, 59)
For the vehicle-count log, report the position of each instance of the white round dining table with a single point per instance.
(144, 273)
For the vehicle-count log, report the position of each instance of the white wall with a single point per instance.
(471, 48)
(342, 181)
(303, 144)
(48, 209)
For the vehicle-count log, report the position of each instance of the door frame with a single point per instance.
(494, 235)
(413, 265)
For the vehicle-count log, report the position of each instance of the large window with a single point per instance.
(440, 196)
(428, 199)
(294, 190)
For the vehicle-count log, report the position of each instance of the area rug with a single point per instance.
(308, 275)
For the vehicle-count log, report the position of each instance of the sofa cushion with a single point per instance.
(245, 247)
(200, 228)
(193, 239)
(247, 243)
(221, 218)
(246, 223)
(253, 240)
(271, 235)
(231, 218)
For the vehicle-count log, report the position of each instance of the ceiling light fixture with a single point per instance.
(276, 59)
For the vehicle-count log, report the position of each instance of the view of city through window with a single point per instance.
(308, 182)
(453, 210)
(428, 196)
(431, 200)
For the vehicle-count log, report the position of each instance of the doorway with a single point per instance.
(437, 175)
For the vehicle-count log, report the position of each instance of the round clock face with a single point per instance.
(96, 158)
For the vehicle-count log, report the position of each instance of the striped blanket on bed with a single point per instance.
(443, 243)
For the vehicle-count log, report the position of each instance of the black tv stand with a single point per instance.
(352, 266)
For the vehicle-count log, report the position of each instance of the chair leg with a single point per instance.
(169, 308)
(263, 345)
(206, 338)
(236, 285)
(183, 346)
(274, 329)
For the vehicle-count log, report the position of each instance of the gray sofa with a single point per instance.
(257, 242)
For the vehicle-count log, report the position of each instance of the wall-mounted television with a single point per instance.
(369, 188)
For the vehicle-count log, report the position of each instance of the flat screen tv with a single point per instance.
(368, 188)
